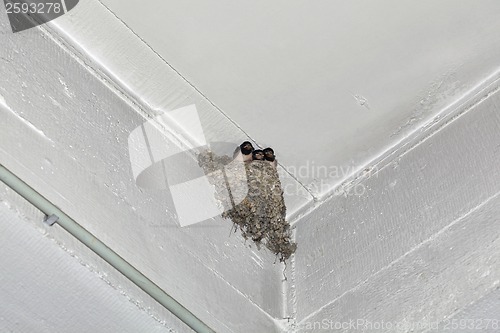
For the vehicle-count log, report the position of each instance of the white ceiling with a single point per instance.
(330, 83)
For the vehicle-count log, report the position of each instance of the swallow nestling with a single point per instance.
(258, 155)
(270, 157)
(244, 152)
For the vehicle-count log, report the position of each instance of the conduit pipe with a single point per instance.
(103, 251)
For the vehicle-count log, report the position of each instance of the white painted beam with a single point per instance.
(482, 315)
(64, 132)
(103, 41)
(434, 280)
(357, 245)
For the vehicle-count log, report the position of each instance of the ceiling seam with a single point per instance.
(315, 201)
(140, 106)
(441, 119)
(313, 197)
(110, 82)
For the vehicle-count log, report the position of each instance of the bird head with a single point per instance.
(269, 154)
(246, 148)
(258, 155)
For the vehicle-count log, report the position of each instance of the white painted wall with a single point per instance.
(45, 287)
(418, 244)
(65, 130)
(422, 242)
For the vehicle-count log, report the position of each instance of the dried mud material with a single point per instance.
(251, 196)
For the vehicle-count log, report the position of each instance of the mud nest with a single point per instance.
(252, 197)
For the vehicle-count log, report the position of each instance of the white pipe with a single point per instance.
(103, 251)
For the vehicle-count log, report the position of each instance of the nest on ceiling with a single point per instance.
(252, 197)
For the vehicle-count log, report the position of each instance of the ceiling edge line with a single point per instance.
(204, 96)
(114, 84)
(476, 95)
